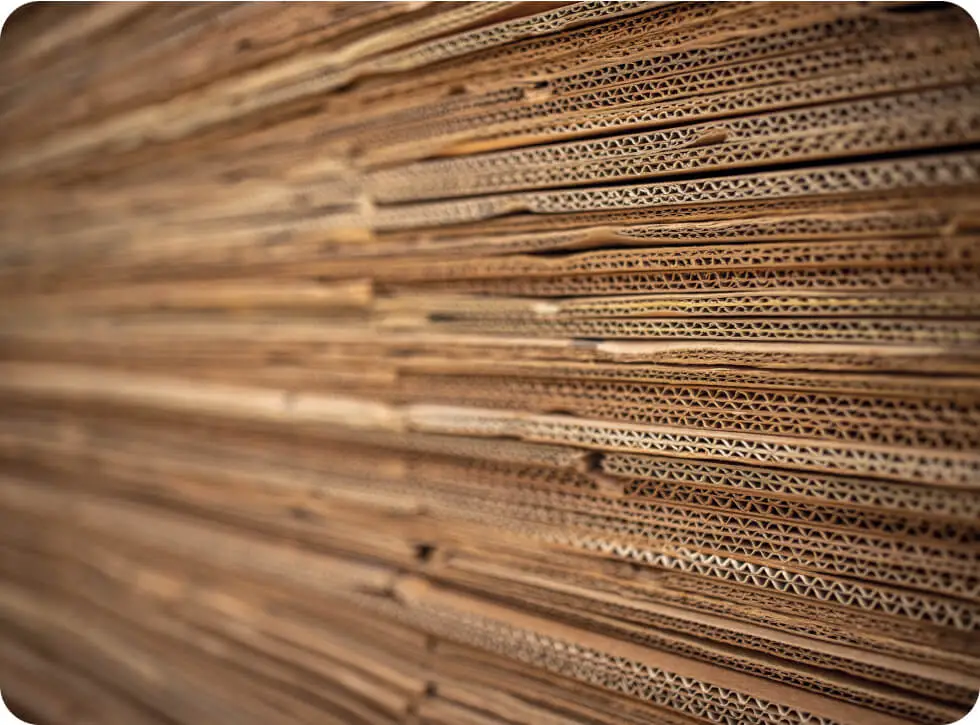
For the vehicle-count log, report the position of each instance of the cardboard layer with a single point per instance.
(490, 363)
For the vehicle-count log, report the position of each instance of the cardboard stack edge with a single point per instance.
(490, 363)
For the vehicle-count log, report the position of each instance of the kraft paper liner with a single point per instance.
(285, 338)
(954, 304)
(763, 538)
(906, 386)
(947, 468)
(928, 171)
(160, 251)
(507, 110)
(525, 581)
(950, 423)
(930, 119)
(307, 252)
(586, 640)
(815, 497)
(633, 48)
(708, 255)
(300, 77)
(222, 401)
(952, 69)
(480, 480)
(899, 280)
(819, 620)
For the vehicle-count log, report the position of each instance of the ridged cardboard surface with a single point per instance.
(490, 363)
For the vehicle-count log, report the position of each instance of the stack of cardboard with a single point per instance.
(490, 363)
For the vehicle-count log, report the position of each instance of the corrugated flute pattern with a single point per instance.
(490, 363)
